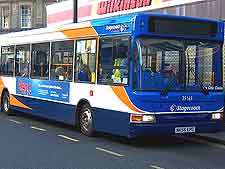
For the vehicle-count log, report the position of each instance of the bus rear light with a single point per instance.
(143, 118)
(217, 116)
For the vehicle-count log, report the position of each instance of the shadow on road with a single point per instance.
(156, 141)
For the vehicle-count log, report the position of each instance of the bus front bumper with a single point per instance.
(140, 129)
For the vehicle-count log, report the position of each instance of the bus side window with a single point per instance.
(7, 60)
(62, 60)
(85, 61)
(22, 60)
(40, 60)
(114, 61)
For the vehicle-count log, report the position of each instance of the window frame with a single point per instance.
(136, 39)
(14, 63)
(49, 57)
(75, 76)
(129, 59)
(4, 17)
(73, 59)
(29, 65)
(26, 17)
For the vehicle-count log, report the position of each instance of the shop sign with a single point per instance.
(111, 6)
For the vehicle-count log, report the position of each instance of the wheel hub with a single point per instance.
(86, 119)
(6, 105)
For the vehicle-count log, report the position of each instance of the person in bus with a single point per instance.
(121, 64)
(168, 76)
(84, 74)
(59, 72)
(25, 72)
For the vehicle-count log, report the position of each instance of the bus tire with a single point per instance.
(86, 120)
(5, 106)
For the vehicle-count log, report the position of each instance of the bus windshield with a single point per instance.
(172, 65)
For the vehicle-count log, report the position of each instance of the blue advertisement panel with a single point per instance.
(51, 90)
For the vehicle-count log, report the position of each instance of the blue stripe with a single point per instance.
(47, 109)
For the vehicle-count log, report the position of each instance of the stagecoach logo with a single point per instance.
(175, 108)
(111, 6)
(117, 28)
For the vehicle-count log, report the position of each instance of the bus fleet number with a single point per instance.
(187, 98)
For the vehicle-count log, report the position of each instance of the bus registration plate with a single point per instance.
(179, 130)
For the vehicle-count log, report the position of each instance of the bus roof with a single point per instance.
(92, 28)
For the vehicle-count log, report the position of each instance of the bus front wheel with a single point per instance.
(5, 106)
(86, 121)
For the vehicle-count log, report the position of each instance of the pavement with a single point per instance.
(218, 137)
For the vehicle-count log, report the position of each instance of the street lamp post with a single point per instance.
(75, 11)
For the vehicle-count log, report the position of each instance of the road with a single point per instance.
(32, 143)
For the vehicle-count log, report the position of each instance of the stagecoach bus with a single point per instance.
(130, 75)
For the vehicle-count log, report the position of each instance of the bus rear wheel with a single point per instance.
(5, 106)
(86, 121)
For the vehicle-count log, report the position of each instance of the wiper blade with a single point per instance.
(204, 89)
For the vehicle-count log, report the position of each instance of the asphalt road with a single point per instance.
(32, 143)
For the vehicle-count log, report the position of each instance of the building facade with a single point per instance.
(207, 9)
(18, 15)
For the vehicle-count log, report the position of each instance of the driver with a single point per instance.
(169, 77)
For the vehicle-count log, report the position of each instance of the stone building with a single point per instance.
(16, 15)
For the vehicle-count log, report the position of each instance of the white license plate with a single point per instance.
(179, 130)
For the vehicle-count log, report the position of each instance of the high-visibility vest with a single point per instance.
(117, 74)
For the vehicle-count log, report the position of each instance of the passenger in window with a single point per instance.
(84, 74)
(121, 65)
(25, 72)
(59, 72)
(117, 75)
(124, 65)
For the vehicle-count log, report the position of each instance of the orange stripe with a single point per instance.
(122, 95)
(17, 103)
(80, 32)
(1, 86)
(13, 100)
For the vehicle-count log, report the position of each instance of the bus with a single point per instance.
(132, 75)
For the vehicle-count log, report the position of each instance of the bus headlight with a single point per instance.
(217, 116)
(143, 118)
(148, 118)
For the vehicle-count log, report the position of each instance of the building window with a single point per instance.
(5, 17)
(25, 16)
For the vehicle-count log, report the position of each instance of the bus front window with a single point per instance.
(173, 65)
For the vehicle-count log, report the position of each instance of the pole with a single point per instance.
(75, 11)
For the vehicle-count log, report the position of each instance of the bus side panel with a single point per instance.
(113, 122)
(51, 110)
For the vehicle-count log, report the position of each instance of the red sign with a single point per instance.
(24, 87)
(111, 6)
